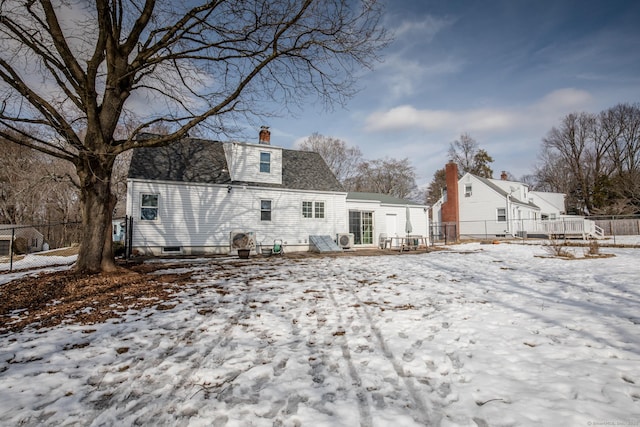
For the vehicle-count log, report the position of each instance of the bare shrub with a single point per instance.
(557, 249)
(593, 249)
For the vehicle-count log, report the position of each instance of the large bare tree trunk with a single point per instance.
(97, 209)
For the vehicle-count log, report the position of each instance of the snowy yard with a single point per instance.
(486, 335)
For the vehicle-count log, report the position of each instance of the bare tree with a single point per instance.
(341, 159)
(35, 189)
(572, 140)
(436, 187)
(385, 176)
(17, 183)
(75, 71)
(469, 157)
(623, 155)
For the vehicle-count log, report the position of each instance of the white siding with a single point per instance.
(478, 212)
(244, 162)
(517, 189)
(549, 203)
(418, 216)
(199, 218)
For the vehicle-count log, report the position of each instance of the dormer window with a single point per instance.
(265, 162)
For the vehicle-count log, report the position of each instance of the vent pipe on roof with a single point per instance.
(264, 135)
(503, 175)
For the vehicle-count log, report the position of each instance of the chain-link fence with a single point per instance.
(31, 246)
(617, 230)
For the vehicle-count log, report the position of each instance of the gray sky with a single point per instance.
(503, 71)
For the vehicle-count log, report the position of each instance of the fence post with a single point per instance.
(13, 235)
(613, 232)
(129, 236)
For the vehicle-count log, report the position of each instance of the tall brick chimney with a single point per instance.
(451, 208)
(264, 135)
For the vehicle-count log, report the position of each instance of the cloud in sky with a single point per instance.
(424, 28)
(511, 118)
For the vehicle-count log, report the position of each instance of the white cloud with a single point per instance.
(563, 99)
(543, 112)
(426, 29)
(407, 117)
(402, 76)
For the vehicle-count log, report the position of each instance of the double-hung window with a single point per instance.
(502, 214)
(265, 162)
(467, 190)
(149, 207)
(265, 210)
(307, 209)
(319, 210)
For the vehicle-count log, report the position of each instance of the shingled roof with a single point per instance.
(203, 161)
(503, 193)
(382, 198)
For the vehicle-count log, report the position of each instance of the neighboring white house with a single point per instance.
(118, 228)
(195, 196)
(499, 208)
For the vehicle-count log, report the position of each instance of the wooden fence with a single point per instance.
(619, 227)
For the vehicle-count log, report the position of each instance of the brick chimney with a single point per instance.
(264, 135)
(503, 175)
(451, 208)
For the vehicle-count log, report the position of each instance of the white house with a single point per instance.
(195, 196)
(484, 208)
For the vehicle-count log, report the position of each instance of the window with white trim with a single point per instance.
(265, 162)
(149, 207)
(265, 210)
(313, 210)
(502, 214)
(467, 190)
(307, 209)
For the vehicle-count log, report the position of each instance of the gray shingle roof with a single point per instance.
(203, 161)
(504, 193)
(382, 198)
(189, 160)
(306, 170)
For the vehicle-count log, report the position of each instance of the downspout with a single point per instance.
(507, 216)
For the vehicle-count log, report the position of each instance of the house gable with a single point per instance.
(481, 202)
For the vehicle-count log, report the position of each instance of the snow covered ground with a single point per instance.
(33, 264)
(486, 335)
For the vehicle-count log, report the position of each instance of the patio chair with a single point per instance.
(384, 241)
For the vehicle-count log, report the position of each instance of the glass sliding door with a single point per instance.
(361, 225)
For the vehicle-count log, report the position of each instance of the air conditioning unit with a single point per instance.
(239, 239)
(345, 240)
